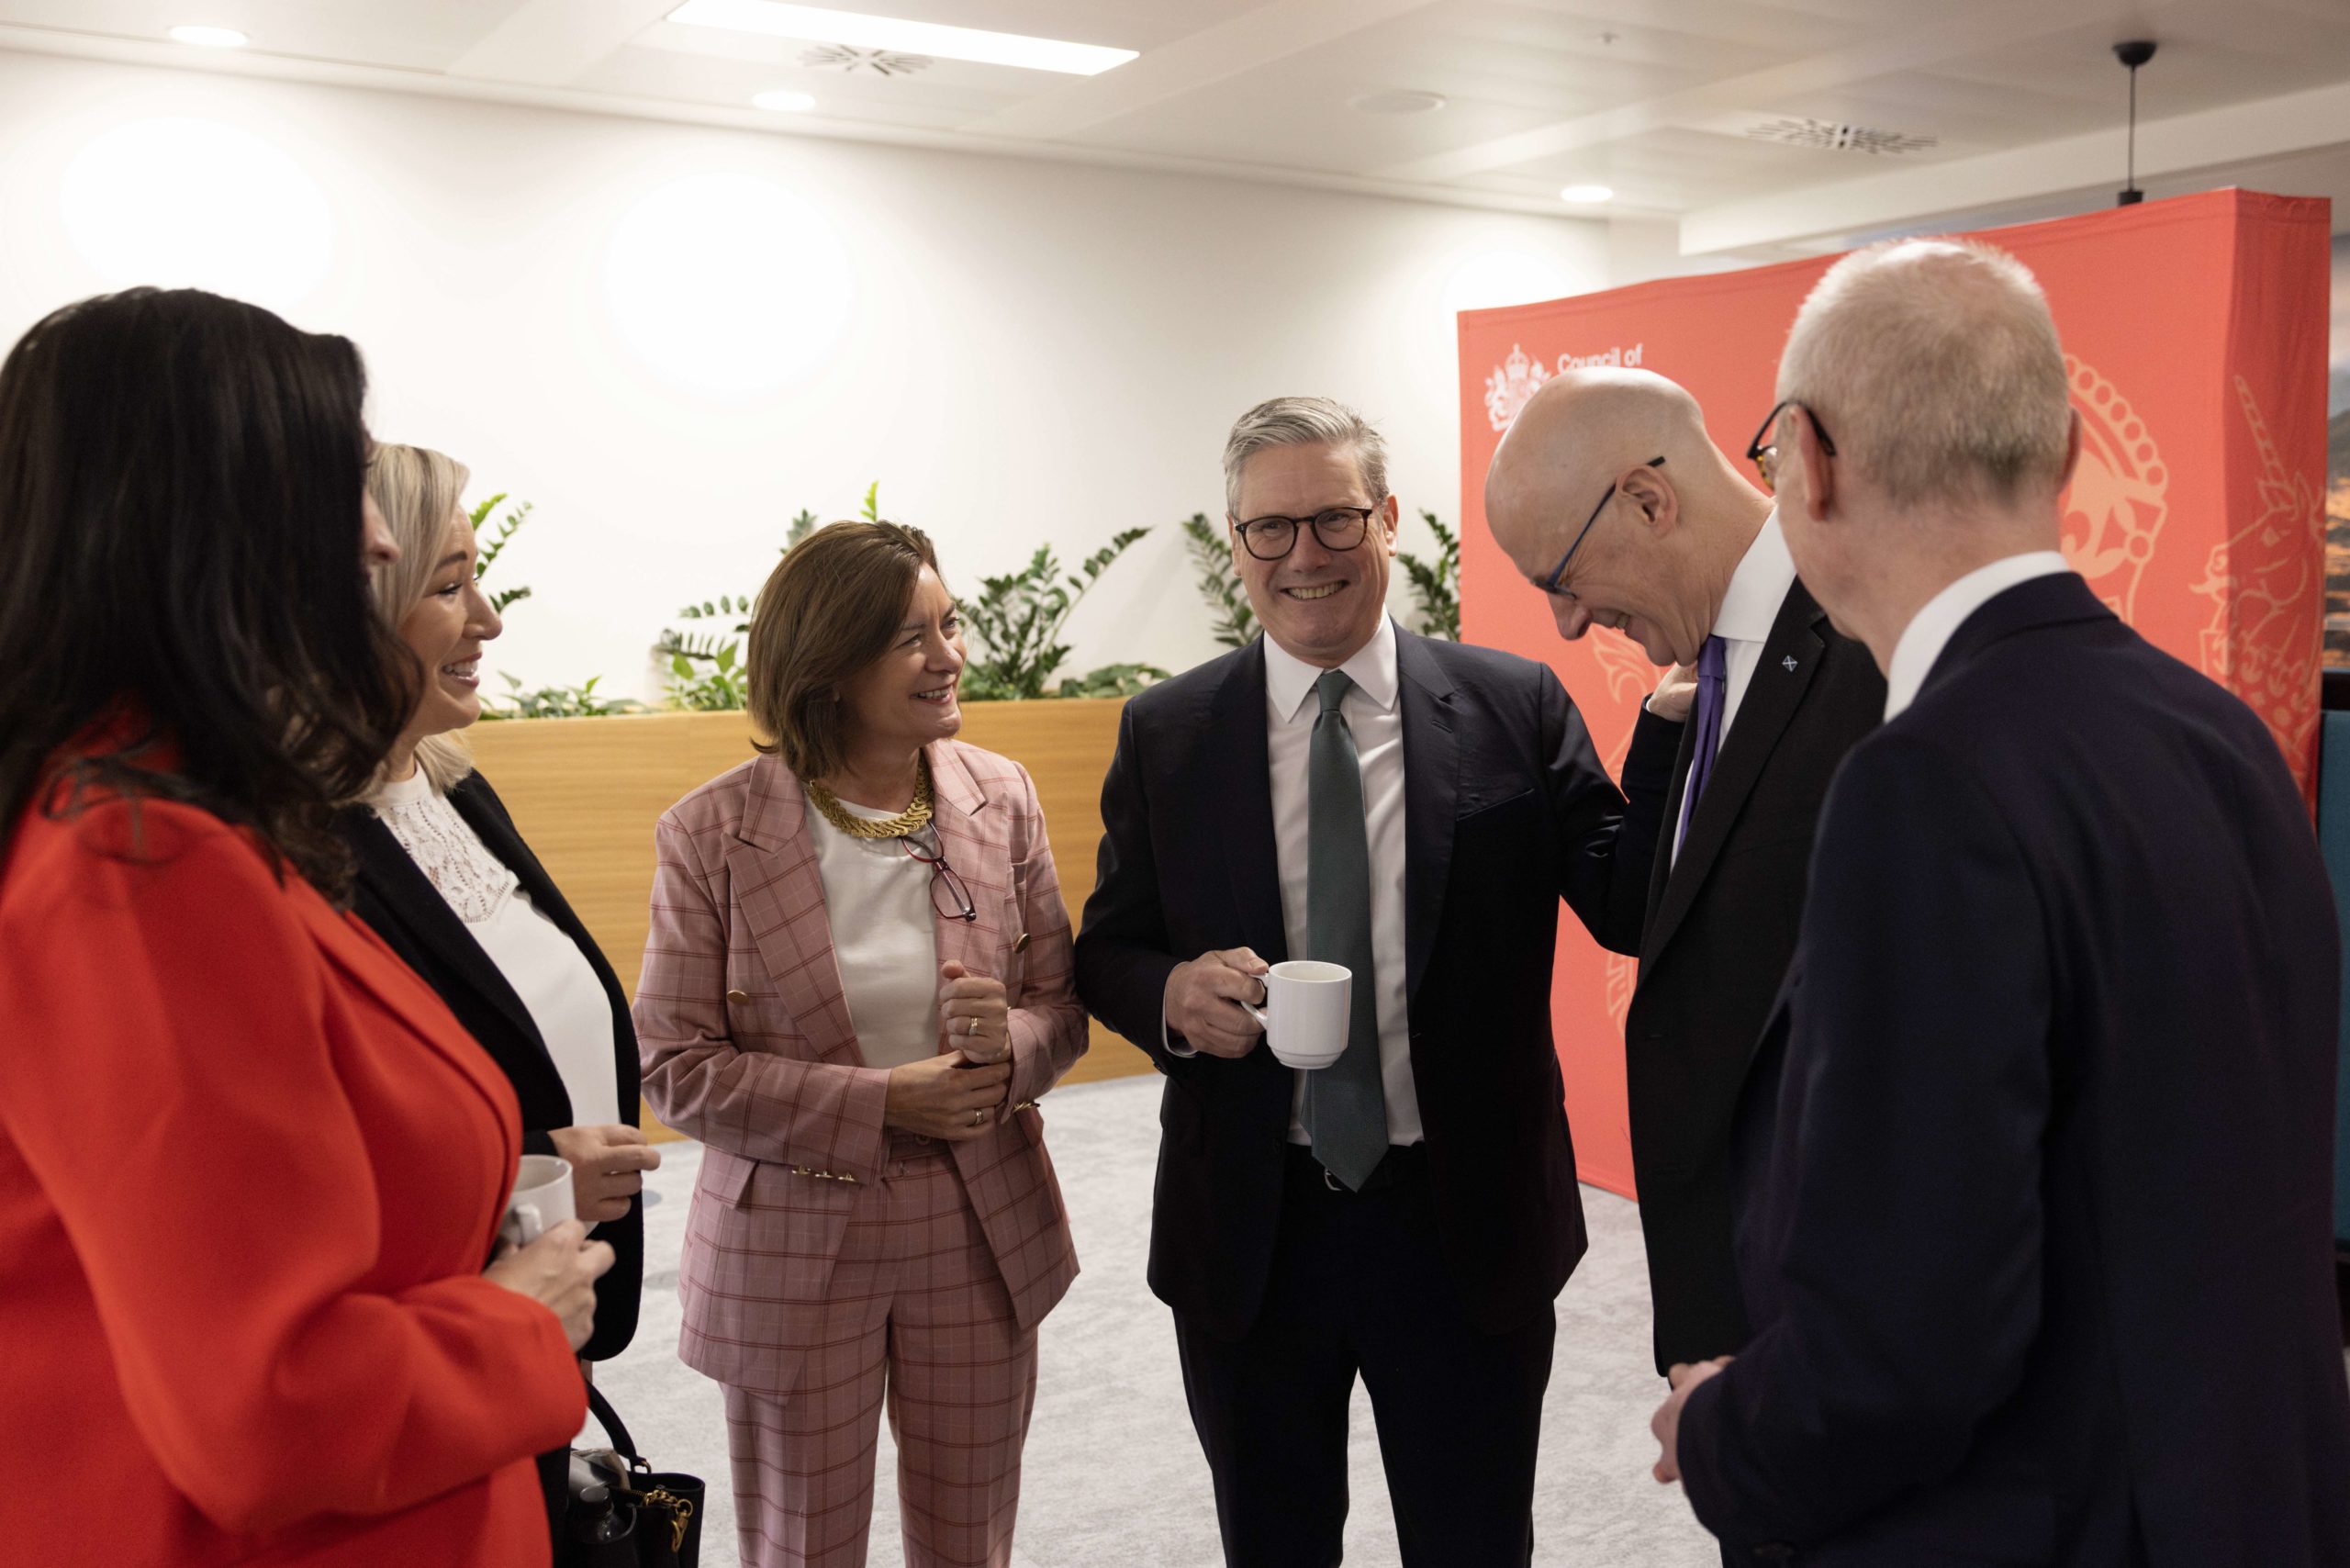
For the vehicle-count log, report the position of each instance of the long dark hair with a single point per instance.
(182, 610)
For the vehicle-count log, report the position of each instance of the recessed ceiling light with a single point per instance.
(1398, 101)
(1584, 196)
(784, 99)
(209, 38)
(819, 25)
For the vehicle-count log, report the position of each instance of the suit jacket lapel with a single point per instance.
(1239, 781)
(1661, 872)
(984, 866)
(1790, 658)
(1431, 796)
(776, 886)
(411, 898)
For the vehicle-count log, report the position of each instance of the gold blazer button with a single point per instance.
(738, 998)
(1020, 943)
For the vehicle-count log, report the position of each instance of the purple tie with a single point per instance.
(1713, 689)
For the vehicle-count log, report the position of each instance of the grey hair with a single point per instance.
(1303, 422)
(416, 489)
(1935, 368)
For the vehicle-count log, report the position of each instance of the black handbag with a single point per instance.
(623, 1512)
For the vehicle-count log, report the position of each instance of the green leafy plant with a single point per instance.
(1110, 680)
(1235, 621)
(500, 536)
(558, 702)
(703, 671)
(1017, 621)
(1436, 585)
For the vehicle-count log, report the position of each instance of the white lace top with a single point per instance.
(557, 985)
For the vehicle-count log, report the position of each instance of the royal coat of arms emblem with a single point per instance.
(1513, 381)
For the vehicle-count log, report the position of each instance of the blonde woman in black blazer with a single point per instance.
(446, 880)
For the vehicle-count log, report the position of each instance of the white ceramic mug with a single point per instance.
(541, 1200)
(1308, 1006)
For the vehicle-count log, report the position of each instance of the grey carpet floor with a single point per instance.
(1112, 1473)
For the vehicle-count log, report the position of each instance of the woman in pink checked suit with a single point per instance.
(856, 987)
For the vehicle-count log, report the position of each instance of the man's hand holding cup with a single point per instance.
(1205, 998)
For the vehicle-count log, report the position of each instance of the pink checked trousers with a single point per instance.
(918, 1318)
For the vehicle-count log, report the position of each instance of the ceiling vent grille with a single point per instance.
(881, 62)
(1829, 136)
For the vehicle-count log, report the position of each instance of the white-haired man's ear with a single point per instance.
(1819, 467)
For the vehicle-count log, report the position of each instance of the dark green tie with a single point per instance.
(1345, 1103)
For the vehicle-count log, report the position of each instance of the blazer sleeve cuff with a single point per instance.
(1172, 1042)
(1036, 1066)
(1648, 765)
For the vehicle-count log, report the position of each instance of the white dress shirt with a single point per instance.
(556, 984)
(1750, 609)
(1930, 630)
(885, 940)
(1375, 714)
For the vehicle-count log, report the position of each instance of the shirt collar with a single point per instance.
(1930, 630)
(1758, 587)
(1289, 679)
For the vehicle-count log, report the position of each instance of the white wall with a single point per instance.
(671, 338)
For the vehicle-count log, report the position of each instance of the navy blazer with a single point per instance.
(395, 898)
(1721, 927)
(1505, 807)
(2034, 1225)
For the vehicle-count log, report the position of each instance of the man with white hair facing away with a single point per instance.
(2034, 1198)
(1685, 557)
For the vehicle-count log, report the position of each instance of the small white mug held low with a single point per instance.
(541, 1200)
(1307, 1012)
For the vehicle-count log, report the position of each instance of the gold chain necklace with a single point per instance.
(913, 820)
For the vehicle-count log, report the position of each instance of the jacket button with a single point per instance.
(738, 997)
(1019, 943)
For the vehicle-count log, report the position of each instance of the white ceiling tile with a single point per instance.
(1645, 96)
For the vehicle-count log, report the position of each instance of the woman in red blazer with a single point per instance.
(249, 1165)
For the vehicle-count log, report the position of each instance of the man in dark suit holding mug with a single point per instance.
(2035, 1186)
(1342, 791)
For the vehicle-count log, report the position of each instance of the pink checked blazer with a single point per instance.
(747, 1045)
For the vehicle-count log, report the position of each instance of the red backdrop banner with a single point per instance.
(2194, 330)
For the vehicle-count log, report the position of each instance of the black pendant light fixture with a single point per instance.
(2134, 54)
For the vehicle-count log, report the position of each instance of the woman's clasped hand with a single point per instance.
(946, 1096)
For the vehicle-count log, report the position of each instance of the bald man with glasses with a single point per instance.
(1684, 557)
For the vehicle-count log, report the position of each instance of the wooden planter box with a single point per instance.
(586, 793)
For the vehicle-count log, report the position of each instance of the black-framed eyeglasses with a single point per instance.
(1764, 454)
(1550, 583)
(1335, 528)
(933, 854)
